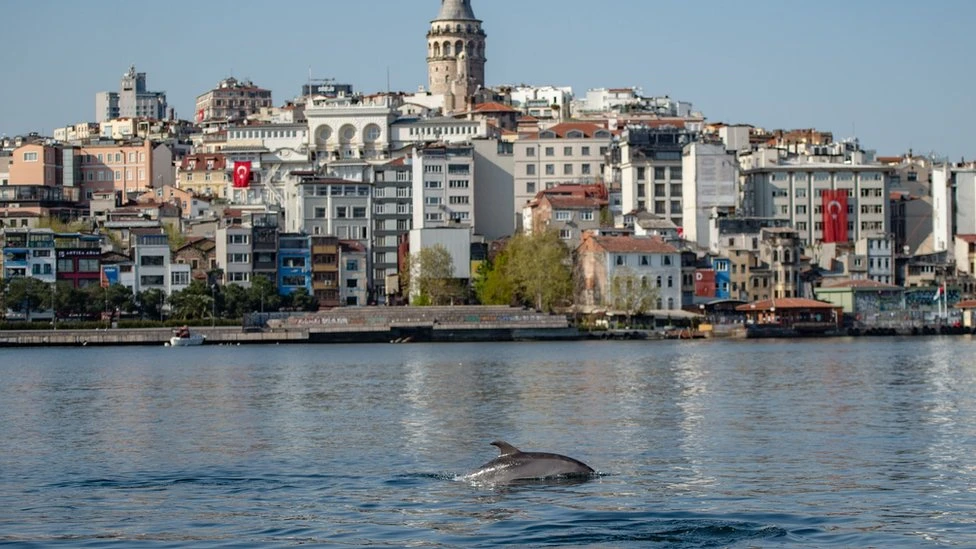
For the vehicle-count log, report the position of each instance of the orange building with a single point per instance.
(124, 167)
(36, 164)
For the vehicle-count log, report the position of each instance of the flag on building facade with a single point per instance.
(242, 174)
(200, 115)
(834, 215)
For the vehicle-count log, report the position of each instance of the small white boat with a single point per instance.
(183, 338)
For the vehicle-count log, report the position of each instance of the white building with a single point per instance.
(233, 254)
(953, 204)
(792, 191)
(543, 102)
(132, 100)
(443, 186)
(709, 185)
(153, 268)
(275, 152)
(457, 242)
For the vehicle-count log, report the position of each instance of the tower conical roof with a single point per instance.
(456, 10)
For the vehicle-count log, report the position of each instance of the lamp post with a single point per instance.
(213, 305)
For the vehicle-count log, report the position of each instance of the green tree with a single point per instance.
(174, 236)
(539, 269)
(494, 285)
(28, 294)
(235, 301)
(120, 297)
(151, 303)
(193, 302)
(301, 300)
(630, 293)
(428, 276)
(263, 295)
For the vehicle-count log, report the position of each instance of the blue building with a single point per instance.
(294, 263)
(721, 265)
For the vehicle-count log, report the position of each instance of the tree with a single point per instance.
(494, 284)
(428, 276)
(234, 302)
(151, 303)
(120, 297)
(631, 293)
(263, 295)
(28, 294)
(193, 302)
(539, 269)
(301, 300)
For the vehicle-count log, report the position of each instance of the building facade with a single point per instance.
(133, 100)
(232, 100)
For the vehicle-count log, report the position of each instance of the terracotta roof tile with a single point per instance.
(492, 107)
(633, 244)
(786, 303)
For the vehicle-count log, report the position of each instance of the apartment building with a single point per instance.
(571, 152)
(443, 186)
(204, 174)
(795, 191)
(648, 163)
(652, 262)
(353, 273)
(231, 100)
(392, 217)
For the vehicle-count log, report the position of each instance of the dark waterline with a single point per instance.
(829, 443)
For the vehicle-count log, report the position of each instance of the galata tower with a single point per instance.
(455, 54)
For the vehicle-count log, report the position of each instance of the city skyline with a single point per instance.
(889, 73)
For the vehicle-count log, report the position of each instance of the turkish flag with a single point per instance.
(834, 215)
(200, 115)
(242, 174)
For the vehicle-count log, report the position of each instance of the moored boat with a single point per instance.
(183, 338)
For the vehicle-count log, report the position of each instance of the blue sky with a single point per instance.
(897, 73)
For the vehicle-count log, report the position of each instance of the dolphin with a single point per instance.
(513, 464)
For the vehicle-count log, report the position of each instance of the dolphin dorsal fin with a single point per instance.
(505, 448)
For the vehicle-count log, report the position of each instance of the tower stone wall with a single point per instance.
(455, 54)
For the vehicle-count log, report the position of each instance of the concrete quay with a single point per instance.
(229, 335)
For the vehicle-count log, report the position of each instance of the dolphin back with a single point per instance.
(513, 464)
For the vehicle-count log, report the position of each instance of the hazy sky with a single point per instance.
(898, 74)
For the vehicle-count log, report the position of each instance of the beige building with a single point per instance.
(204, 175)
(572, 152)
(231, 100)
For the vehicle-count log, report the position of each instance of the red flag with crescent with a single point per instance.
(242, 174)
(835, 215)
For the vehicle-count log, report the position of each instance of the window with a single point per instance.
(619, 260)
(550, 151)
(30, 157)
(458, 184)
(659, 173)
(151, 261)
(238, 258)
(151, 280)
(565, 234)
(586, 215)
(585, 169)
(66, 266)
(352, 265)
(180, 278)
(352, 283)
(87, 265)
(432, 200)
(340, 212)
(459, 199)
(567, 151)
(359, 212)
(645, 261)
(585, 151)
(563, 215)
(675, 172)
(641, 173)
(530, 187)
(567, 169)
(237, 239)
(433, 184)
(530, 151)
(530, 169)
(550, 169)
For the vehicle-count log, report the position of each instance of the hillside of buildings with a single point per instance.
(466, 192)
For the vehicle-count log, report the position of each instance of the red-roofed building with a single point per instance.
(570, 211)
(793, 313)
(647, 261)
(203, 174)
(501, 116)
(572, 152)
